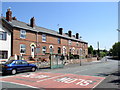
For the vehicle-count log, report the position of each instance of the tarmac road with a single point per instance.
(101, 68)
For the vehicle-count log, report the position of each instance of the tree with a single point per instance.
(116, 49)
(90, 50)
(94, 52)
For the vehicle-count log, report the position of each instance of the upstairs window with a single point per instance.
(59, 41)
(3, 35)
(70, 42)
(77, 44)
(44, 49)
(22, 48)
(22, 34)
(43, 37)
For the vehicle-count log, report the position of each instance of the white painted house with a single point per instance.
(5, 43)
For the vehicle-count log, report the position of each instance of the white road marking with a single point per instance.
(97, 84)
(20, 84)
(51, 78)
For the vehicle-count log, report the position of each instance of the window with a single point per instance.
(59, 41)
(59, 50)
(70, 42)
(3, 54)
(22, 48)
(44, 49)
(24, 62)
(77, 44)
(22, 34)
(18, 62)
(9, 62)
(43, 37)
(3, 35)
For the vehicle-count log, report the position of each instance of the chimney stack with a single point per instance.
(69, 33)
(32, 22)
(61, 31)
(9, 15)
(77, 35)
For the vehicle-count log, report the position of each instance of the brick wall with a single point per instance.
(31, 37)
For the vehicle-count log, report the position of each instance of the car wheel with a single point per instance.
(14, 71)
(33, 69)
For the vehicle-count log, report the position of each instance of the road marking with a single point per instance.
(98, 83)
(56, 80)
(19, 84)
(50, 78)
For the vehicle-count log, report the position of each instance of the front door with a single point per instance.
(32, 51)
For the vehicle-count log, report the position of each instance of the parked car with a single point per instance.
(14, 66)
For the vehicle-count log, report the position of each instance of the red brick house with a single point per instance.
(31, 40)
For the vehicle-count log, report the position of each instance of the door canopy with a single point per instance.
(32, 44)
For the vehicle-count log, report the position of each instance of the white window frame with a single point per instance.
(22, 48)
(44, 49)
(24, 34)
(43, 37)
(59, 40)
(77, 44)
(70, 42)
(3, 35)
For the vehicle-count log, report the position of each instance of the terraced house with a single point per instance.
(31, 40)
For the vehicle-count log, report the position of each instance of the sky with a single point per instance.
(94, 21)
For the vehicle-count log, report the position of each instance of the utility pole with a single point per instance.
(98, 49)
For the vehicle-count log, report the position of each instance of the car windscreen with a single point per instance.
(9, 62)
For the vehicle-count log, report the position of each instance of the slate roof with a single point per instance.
(22, 25)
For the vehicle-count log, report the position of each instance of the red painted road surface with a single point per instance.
(54, 80)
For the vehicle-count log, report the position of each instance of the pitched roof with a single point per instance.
(22, 25)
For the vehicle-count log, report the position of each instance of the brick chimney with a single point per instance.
(77, 35)
(61, 31)
(9, 15)
(69, 33)
(32, 22)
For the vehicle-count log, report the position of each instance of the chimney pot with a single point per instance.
(70, 33)
(61, 31)
(77, 35)
(14, 18)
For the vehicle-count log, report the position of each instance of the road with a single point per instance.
(99, 69)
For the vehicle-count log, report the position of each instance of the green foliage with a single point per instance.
(102, 54)
(116, 49)
(90, 50)
(94, 52)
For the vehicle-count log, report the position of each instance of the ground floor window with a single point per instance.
(22, 48)
(44, 49)
(3, 54)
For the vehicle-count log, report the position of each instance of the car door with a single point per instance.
(26, 65)
(18, 65)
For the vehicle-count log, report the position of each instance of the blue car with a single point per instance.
(14, 66)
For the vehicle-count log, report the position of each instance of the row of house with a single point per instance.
(22, 39)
